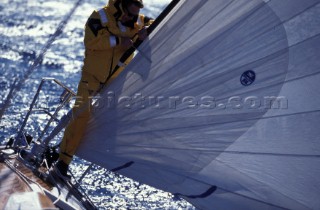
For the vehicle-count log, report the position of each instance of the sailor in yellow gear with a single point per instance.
(109, 32)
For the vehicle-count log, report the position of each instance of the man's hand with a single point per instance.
(126, 42)
(143, 34)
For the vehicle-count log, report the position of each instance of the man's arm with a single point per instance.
(98, 37)
(147, 21)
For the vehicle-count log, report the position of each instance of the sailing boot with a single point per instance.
(61, 169)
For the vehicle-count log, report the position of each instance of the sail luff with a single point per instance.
(150, 29)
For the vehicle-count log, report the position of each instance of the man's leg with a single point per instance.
(75, 130)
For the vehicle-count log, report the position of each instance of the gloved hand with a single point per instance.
(126, 42)
(143, 34)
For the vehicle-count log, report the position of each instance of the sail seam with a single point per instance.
(288, 47)
(262, 184)
(205, 150)
(224, 123)
(277, 52)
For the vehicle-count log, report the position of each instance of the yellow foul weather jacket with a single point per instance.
(102, 39)
(103, 50)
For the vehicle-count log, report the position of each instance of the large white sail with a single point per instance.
(220, 106)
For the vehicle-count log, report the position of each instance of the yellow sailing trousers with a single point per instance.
(87, 88)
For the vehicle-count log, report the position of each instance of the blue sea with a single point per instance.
(26, 29)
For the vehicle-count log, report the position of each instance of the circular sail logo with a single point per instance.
(248, 78)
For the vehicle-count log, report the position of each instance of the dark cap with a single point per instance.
(138, 3)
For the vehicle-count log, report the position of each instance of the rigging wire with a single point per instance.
(84, 194)
(18, 84)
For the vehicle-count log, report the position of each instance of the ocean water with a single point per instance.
(26, 27)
